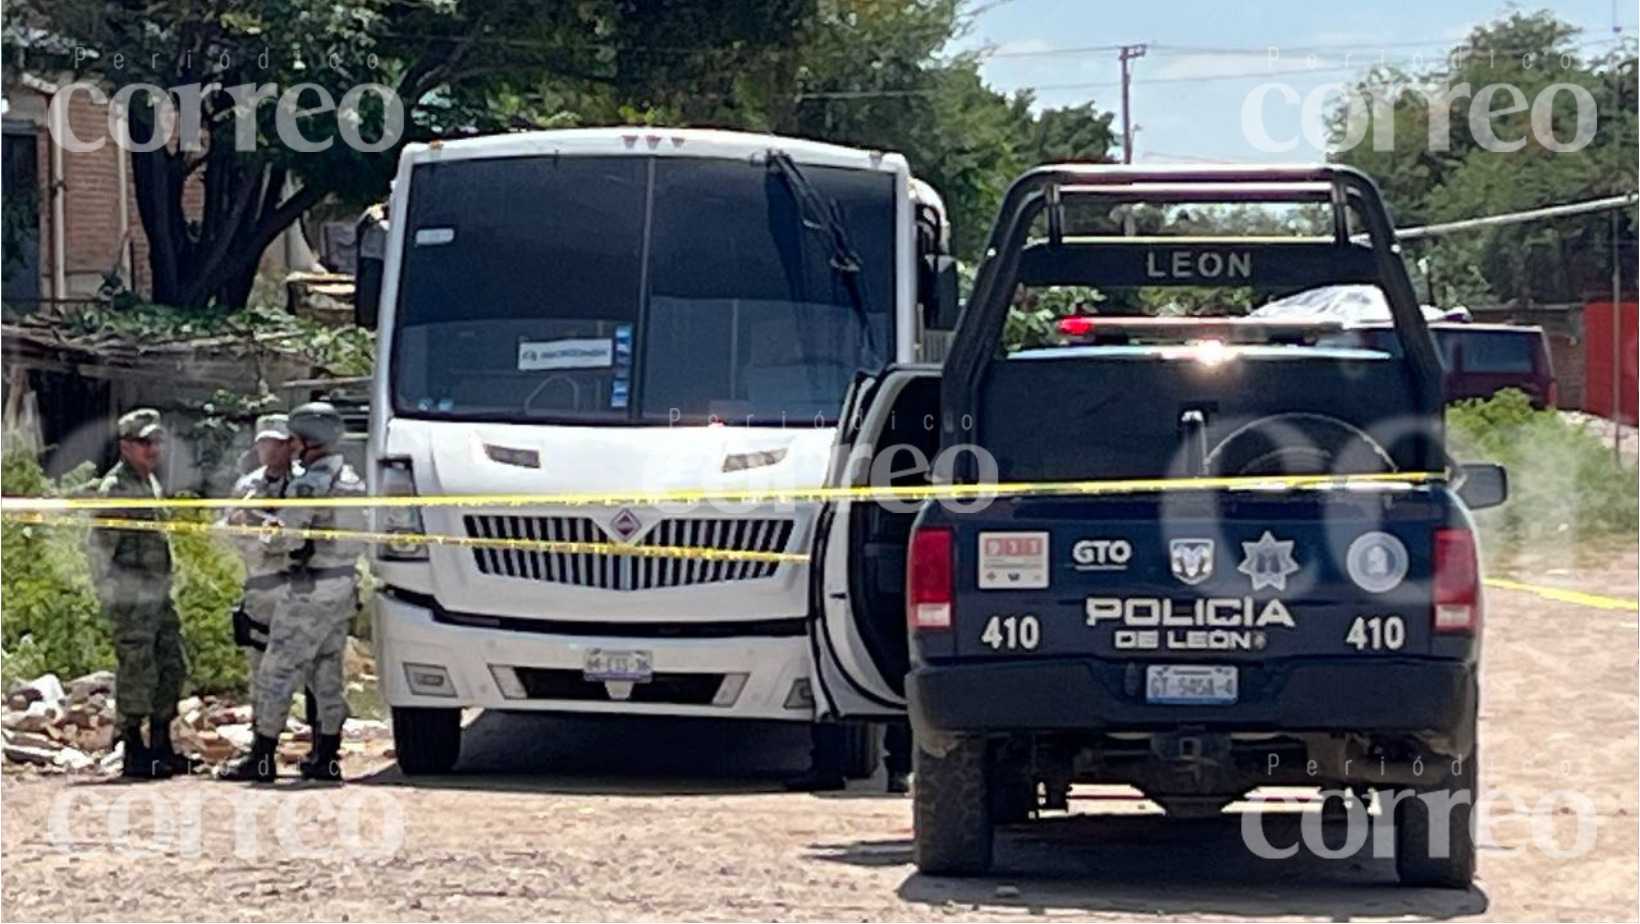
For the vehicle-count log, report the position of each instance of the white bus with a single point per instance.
(634, 310)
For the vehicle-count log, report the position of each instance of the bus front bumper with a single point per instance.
(423, 659)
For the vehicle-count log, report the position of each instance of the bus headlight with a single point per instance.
(397, 480)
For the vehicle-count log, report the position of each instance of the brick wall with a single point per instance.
(91, 202)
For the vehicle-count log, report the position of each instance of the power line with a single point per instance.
(1515, 218)
(1170, 49)
(1104, 84)
(1089, 85)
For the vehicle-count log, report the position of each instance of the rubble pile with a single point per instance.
(54, 727)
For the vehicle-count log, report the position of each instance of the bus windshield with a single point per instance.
(632, 289)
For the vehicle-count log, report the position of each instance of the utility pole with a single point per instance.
(1130, 53)
(1617, 288)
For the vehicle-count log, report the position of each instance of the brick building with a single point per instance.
(82, 206)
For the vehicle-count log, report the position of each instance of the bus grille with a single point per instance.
(627, 572)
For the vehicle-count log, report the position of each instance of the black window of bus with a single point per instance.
(747, 318)
(506, 252)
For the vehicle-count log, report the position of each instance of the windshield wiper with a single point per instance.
(822, 216)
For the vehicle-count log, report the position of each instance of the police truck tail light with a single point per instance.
(929, 578)
(397, 480)
(1076, 326)
(1457, 581)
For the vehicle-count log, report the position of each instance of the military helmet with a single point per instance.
(317, 422)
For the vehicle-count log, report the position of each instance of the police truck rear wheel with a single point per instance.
(951, 811)
(1418, 834)
(426, 740)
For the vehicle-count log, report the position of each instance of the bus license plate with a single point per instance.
(604, 664)
(1185, 684)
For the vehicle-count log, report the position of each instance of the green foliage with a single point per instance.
(209, 578)
(1032, 318)
(52, 620)
(19, 226)
(345, 350)
(1564, 482)
(215, 428)
(873, 74)
(1557, 260)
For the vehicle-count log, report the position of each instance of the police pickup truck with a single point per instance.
(1237, 556)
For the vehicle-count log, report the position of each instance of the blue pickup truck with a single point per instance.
(1282, 586)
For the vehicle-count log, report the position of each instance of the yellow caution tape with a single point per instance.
(466, 542)
(554, 546)
(11, 505)
(1563, 595)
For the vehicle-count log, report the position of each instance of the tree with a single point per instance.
(871, 73)
(451, 65)
(862, 72)
(1559, 260)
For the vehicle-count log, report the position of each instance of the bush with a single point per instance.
(207, 586)
(52, 621)
(1565, 484)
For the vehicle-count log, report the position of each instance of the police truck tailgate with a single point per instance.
(1199, 578)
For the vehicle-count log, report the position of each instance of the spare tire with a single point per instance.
(1299, 444)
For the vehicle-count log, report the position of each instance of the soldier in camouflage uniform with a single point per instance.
(308, 632)
(133, 581)
(266, 571)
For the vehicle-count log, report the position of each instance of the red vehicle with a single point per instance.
(1481, 360)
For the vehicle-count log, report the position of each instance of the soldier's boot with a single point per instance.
(161, 751)
(256, 767)
(324, 761)
(139, 762)
(311, 713)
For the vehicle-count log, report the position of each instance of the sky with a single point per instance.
(1205, 58)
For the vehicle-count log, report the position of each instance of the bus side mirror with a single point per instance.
(1484, 484)
(367, 292)
(939, 295)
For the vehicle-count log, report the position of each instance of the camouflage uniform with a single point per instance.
(310, 624)
(264, 570)
(133, 571)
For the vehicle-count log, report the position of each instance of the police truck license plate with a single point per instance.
(1182, 684)
(613, 664)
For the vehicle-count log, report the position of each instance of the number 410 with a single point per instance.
(1377, 633)
(1012, 633)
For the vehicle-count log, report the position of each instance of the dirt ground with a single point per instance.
(572, 819)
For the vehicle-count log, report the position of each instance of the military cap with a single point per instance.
(272, 427)
(140, 424)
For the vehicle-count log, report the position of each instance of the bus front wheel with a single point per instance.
(427, 741)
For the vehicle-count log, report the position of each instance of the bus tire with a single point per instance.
(861, 750)
(427, 741)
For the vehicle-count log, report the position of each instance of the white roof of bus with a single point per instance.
(648, 140)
